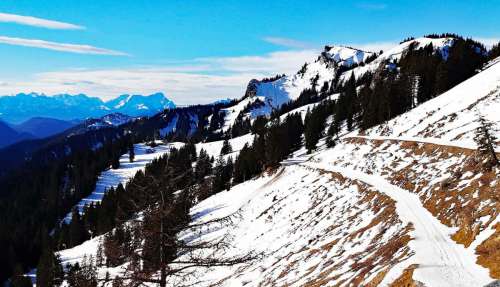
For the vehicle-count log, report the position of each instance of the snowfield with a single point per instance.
(113, 177)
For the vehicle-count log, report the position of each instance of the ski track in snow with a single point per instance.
(442, 262)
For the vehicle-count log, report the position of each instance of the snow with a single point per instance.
(442, 262)
(123, 101)
(346, 56)
(231, 113)
(213, 148)
(307, 223)
(272, 209)
(172, 124)
(289, 87)
(437, 117)
(127, 170)
(394, 54)
(303, 109)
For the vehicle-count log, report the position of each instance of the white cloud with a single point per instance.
(287, 42)
(37, 22)
(199, 81)
(283, 62)
(63, 47)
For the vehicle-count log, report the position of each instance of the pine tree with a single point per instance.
(485, 140)
(494, 52)
(223, 171)
(276, 144)
(49, 271)
(203, 165)
(226, 147)
(99, 257)
(84, 275)
(131, 153)
(77, 232)
(314, 125)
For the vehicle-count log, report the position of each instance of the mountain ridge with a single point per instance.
(22, 106)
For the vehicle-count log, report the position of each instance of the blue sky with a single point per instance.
(198, 51)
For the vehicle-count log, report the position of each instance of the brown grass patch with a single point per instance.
(489, 253)
(406, 279)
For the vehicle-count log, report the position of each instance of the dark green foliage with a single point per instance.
(223, 171)
(49, 271)
(84, 275)
(494, 52)
(314, 124)
(77, 232)
(485, 140)
(259, 125)
(226, 147)
(241, 126)
(131, 153)
(203, 165)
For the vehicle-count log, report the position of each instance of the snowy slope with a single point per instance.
(289, 87)
(453, 115)
(231, 113)
(394, 54)
(420, 160)
(113, 177)
(213, 148)
(403, 204)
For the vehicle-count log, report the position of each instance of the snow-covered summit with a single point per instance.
(340, 60)
(345, 56)
(394, 54)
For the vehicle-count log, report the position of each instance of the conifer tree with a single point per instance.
(83, 275)
(203, 165)
(314, 125)
(77, 232)
(226, 147)
(485, 140)
(131, 153)
(494, 52)
(49, 271)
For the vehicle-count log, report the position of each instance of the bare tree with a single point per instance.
(164, 258)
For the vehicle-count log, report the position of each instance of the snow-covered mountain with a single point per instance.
(405, 203)
(333, 66)
(21, 107)
(139, 105)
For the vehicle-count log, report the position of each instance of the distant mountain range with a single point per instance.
(8, 135)
(39, 127)
(21, 107)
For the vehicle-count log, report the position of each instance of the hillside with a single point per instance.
(8, 135)
(398, 206)
(373, 178)
(44, 127)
